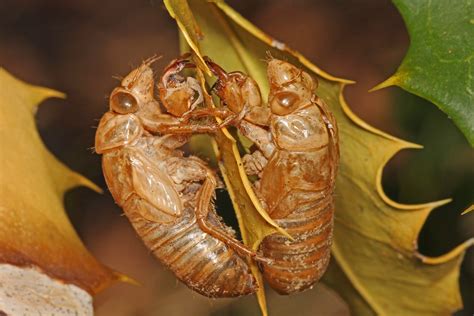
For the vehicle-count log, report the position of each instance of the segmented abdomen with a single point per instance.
(202, 262)
(298, 191)
(298, 264)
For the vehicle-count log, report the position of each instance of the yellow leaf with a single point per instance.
(34, 228)
(375, 267)
(468, 210)
(179, 9)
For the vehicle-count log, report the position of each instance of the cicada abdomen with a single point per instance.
(296, 164)
(166, 196)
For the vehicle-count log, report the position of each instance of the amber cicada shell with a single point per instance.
(295, 162)
(167, 196)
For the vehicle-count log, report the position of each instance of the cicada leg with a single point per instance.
(203, 112)
(187, 128)
(254, 163)
(204, 199)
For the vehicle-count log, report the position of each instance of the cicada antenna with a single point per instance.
(146, 63)
(268, 57)
(151, 60)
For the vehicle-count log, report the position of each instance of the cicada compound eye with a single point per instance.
(283, 103)
(123, 102)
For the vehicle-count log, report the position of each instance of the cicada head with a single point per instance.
(290, 87)
(135, 91)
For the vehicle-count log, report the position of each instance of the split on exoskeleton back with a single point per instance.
(240, 94)
(179, 94)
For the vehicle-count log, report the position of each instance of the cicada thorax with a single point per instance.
(297, 188)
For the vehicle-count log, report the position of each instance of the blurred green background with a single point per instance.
(78, 46)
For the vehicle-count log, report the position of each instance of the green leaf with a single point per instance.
(375, 266)
(439, 64)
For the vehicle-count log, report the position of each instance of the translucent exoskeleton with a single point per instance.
(167, 196)
(295, 162)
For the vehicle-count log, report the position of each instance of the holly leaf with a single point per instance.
(439, 64)
(34, 228)
(375, 266)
